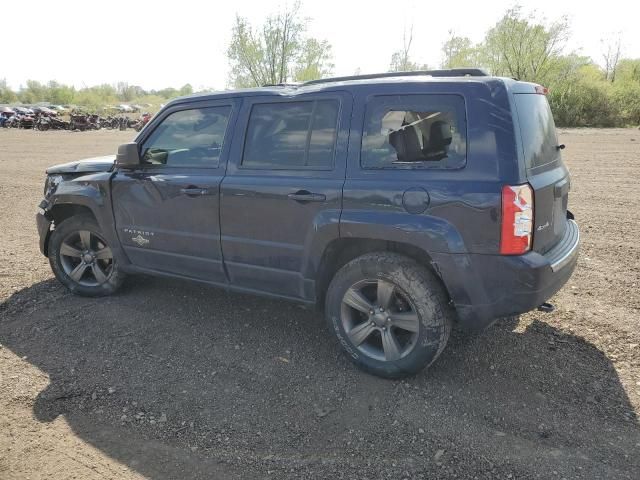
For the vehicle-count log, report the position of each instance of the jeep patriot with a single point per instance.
(398, 204)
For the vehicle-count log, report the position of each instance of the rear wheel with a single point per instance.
(391, 315)
(82, 260)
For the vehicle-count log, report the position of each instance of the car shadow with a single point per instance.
(180, 380)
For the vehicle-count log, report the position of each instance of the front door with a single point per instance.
(283, 189)
(167, 209)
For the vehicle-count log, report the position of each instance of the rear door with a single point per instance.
(283, 188)
(166, 209)
(546, 172)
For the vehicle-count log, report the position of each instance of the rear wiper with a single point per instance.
(560, 147)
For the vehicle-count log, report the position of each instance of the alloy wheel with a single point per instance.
(86, 258)
(380, 320)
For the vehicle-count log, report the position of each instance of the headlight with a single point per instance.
(50, 185)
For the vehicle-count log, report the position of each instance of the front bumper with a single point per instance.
(486, 287)
(44, 227)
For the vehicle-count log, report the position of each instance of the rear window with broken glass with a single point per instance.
(414, 131)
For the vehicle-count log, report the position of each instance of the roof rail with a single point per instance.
(283, 84)
(452, 72)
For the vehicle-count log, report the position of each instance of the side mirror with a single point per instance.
(128, 155)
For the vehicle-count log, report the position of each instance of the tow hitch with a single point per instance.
(546, 307)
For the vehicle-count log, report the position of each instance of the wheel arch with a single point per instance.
(341, 251)
(84, 193)
(60, 212)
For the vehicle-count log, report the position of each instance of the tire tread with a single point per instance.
(434, 297)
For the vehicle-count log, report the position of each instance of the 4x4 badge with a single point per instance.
(140, 240)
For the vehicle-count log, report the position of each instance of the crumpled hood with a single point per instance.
(95, 164)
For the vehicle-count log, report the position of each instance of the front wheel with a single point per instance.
(390, 314)
(82, 260)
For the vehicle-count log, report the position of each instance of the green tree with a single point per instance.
(581, 93)
(6, 94)
(522, 47)
(275, 53)
(186, 89)
(34, 92)
(128, 93)
(314, 60)
(612, 50)
(166, 93)
(401, 59)
(626, 91)
(626, 100)
(628, 70)
(583, 99)
(59, 94)
(459, 52)
(90, 99)
(568, 66)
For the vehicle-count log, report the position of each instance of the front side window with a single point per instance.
(188, 138)
(291, 135)
(414, 131)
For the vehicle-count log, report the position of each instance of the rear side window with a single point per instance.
(537, 129)
(413, 132)
(292, 135)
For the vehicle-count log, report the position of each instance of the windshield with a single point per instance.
(537, 129)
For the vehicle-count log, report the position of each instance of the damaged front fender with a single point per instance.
(70, 195)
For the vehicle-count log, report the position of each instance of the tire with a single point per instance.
(81, 259)
(408, 333)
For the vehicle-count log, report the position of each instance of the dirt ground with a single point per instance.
(178, 380)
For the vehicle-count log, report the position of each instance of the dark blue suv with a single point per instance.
(397, 203)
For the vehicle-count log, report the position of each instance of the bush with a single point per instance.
(580, 103)
(626, 98)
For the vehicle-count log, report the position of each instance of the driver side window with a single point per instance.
(188, 138)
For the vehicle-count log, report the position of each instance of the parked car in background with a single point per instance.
(50, 122)
(23, 118)
(83, 121)
(142, 121)
(399, 204)
(44, 111)
(23, 110)
(5, 114)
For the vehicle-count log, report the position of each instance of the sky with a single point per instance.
(158, 44)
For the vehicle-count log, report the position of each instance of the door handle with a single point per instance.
(194, 191)
(306, 196)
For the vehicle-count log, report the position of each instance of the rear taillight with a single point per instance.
(517, 219)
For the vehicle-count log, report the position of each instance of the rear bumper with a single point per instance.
(567, 249)
(486, 287)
